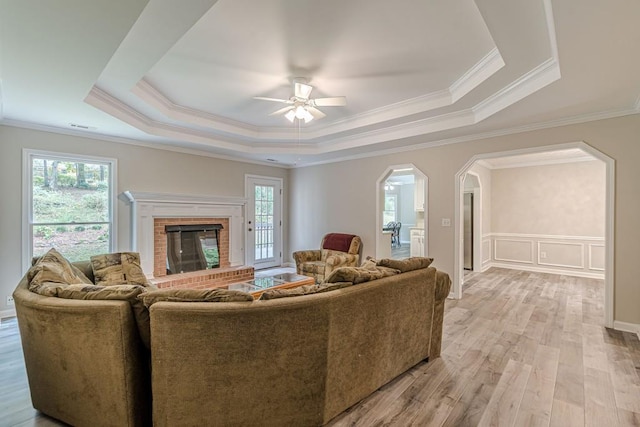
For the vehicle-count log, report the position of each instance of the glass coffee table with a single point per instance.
(278, 281)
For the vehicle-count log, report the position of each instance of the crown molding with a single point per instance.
(137, 143)
(585, 118)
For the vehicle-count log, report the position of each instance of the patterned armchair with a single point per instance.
(336, 250)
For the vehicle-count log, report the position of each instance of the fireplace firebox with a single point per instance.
(192, 247)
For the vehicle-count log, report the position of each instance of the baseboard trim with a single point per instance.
(7, 313)
(535, 269)
(289, 264)
(627, 327)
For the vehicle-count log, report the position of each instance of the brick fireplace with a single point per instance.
(160, 240)
(151, 212)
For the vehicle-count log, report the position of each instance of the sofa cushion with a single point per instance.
(194, 295)
(118, 268)
(303, 290)
(407, 264)
(47, 289)
(115, 292)
(359, 274)
(53, 268)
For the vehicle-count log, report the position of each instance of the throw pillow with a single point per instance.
(194, 295)
(52, 267)
(303, 290)
(119, 293)
(118, 268)
(359, 274)
(407, 264)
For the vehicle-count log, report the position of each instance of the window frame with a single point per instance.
(27, 195)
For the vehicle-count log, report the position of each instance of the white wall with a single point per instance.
(320, 202)
(139, 169)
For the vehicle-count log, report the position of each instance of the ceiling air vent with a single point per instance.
(83, 127)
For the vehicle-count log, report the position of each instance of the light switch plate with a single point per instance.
(446, 222)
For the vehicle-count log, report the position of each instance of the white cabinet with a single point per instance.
(417, 242)
(418, 198)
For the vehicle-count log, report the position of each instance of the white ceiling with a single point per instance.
(183, 75)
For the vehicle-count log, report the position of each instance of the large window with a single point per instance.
(390, 212)
(69, 204)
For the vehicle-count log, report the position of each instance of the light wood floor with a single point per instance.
(520, 349)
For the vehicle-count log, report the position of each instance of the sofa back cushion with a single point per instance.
(303, 290)
(194, 295)
(407, 264)
(359, 274)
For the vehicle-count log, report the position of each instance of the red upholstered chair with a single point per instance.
(336, 250)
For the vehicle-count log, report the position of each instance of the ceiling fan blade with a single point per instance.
(282, 110)
(335, 101)
(286, 101)
(317, 114)
(302, 90)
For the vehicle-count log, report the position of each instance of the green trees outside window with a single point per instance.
(70, 207)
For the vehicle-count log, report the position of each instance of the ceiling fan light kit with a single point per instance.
(301, 107)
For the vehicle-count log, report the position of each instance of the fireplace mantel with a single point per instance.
(145, 207)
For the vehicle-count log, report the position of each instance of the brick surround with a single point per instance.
(211, 278)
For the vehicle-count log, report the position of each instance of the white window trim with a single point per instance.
(27, 195)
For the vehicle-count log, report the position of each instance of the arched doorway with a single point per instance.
(413, 233)
(609, 164)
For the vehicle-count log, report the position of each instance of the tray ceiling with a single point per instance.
(183, 75)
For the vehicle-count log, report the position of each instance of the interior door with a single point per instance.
(264, 222)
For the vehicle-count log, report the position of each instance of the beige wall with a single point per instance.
(548, 199)
(341, 196)
(338, 196)
(139, 169)
(550, 218)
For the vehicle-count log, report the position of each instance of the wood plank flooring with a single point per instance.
(520, 349)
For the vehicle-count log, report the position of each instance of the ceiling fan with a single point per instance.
(300, 106)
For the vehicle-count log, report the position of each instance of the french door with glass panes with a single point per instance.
(264, 221)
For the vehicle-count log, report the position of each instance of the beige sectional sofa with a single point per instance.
(291, 361)
(295, 361)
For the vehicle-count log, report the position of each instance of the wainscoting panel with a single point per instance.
(561, 254)
(486, 250)
(596, 257)
(582, 256)
(513, 250)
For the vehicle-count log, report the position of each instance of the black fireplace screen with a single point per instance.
(192, 247)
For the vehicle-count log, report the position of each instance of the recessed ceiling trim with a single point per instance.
(149, 94)
(472, 78)
(535, 79)
(530, 82)
(476, 75)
